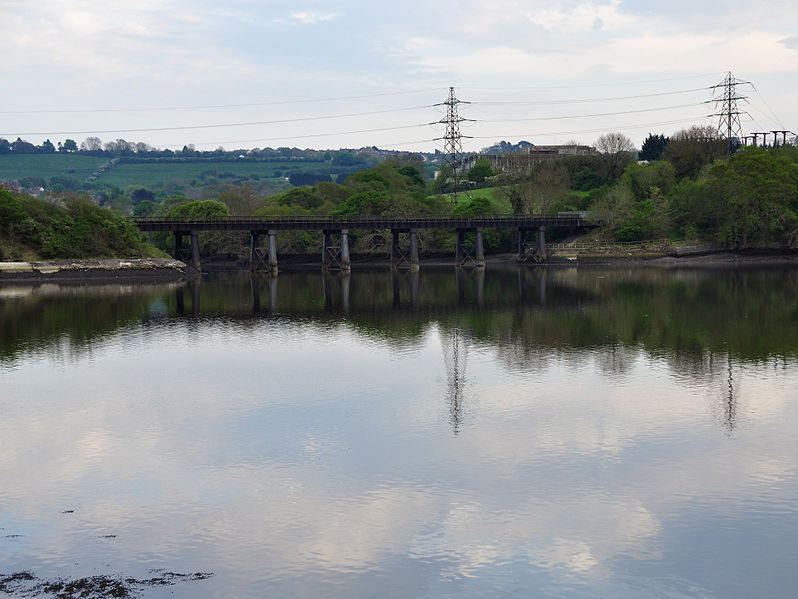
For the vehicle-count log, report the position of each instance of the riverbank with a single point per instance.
(167, 269)
(677, 257)
(110, 270)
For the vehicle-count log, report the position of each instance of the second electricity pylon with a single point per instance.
(725, 98)
(453, 148)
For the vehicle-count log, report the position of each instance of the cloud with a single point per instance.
(308, 17)
(790, 42)
(646, 53)
(584, 17)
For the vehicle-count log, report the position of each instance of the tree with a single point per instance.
(616, 149)
(346, 159)
(47, 147)
(689, 150)
(69, 146)
(23, 147)
(480, 171)
(91, 144)
(5, 147)
(142, 194)
(751, 199)
(145, 208)
(242, 200)
(60, 183)
(653, 146)
(412, 173)
(300, 179)
(614, 143)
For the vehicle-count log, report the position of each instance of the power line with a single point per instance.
(597, 114)
(586, 100)
(592, 85)
(219, 125)
(213, 106)
(775, 116)
(596, 130)
(311, 135)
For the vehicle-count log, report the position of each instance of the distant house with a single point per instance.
(523, 160)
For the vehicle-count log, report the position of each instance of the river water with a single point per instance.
(579, 433)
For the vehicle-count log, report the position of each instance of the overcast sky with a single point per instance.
(353, 73)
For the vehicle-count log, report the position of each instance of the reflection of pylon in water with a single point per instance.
(730, 403)
(454, 358)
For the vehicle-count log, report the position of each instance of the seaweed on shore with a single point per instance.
(25, 584)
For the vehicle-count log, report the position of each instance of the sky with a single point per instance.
(270, 73)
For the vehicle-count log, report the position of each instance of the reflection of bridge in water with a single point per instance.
(405, 293)
(335, 235)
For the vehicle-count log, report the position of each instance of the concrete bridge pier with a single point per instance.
(401, 258)
(480, 249)
(179, 252)
(531, 251)
(463, 255)
(345, 261)
(189, 255)
(335, 257)
(413, 249)
(273, 251)
(195, 253)
(542, 242)
(261, 258)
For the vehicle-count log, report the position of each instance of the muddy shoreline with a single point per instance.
(169, 270)
(95, 271)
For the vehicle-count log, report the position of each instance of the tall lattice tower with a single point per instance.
(725, 97)
(453, 147)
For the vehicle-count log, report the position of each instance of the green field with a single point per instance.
(156, 175)
(153, 174)
(46, 166)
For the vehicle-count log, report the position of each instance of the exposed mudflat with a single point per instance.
(143, 269)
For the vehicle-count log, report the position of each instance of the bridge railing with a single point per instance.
(565, 217)
(658, 245)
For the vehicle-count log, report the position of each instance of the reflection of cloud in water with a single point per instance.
(578, 535)
(300, 450)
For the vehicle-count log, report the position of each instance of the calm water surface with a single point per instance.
(508, 433)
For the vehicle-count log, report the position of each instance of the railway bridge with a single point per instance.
(335, 235)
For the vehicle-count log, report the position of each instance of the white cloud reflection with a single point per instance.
(567, 467)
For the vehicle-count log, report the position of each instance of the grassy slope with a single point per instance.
(151, 174)
(500, 203)
(15, 167)
(147, 174)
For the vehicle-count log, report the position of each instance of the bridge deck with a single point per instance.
(236, 223)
